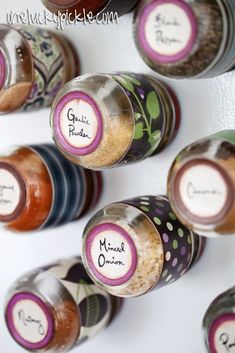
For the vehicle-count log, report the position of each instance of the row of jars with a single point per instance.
(57, 307)
(176, 38)
(41, 186)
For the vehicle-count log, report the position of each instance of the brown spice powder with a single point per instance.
(14, 97)
(38, 189)
(66, 326)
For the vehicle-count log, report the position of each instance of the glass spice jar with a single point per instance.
(75, 8)
(135, 246)
(219, 324)
(34, 65)
(201, 184)
(107, 120)
(186, 38)
(57, 307)
(39, 188)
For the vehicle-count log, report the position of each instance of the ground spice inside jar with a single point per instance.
(90, 8)
(75, 6)
(103, 120)
(39, 188)
(34, 65)
(57, 307)
(132, 247)
(181, 39)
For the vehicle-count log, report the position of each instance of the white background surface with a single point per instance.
(164, 321)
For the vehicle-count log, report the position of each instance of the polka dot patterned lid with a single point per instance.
(181, 246)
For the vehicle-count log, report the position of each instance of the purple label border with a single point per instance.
(91, 236)
(152, 54)
(216, 324)
(57, 129)
(10, 321)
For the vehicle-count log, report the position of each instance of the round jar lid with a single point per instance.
(12, 192)
(78, 125)
(202, 192)
(29, 321)
(166, 30)
(221, 334)
(111, 254)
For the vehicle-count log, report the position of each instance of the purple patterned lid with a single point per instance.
(2, 70)
(29, 321)
(166, 30)
(78, 124)
(111, 254)
(221, 334)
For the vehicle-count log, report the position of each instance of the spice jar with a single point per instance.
(39, 188)
(106, 120)
(134, 246)
(75, 8)
(201, 184)
(186, 38)
(34, 64)
(219, 324)
(55, 308)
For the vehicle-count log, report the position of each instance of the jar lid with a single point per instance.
(78, 124)
(111, 254)
(221, 334)
(12, 192)
(29, 321)
(202, 192)
(166, 30)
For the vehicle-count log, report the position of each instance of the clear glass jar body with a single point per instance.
(101, 121)
(57, 307)
(85, 7)
(186, 39)
(137, 245)
(39, 189)
(34, 65)
(219, 323)
(201, 185)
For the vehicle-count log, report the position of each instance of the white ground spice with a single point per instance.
(117, 137)
(150, 257)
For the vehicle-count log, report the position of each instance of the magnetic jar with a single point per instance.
(135, 246)
(219, 324)
(105, 120)
(186, 38)
(201, 184)
(40, 189)
(57, 307)
(34, 64)
(81, 8)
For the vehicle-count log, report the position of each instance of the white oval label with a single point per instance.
(78, 123)
(222, 337)
(9, 193)
(30, 321)
(203, 190)
(170, 29)
(112, 254)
